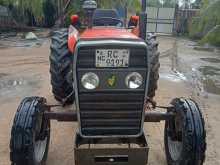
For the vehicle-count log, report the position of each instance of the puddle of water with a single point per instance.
(211, 86)
(3, 46)
(211, 60)
(18, 87)
(12, 83)
(209, 70)
(204, 78)
(3, 75)
(22, 43)
(174, 77)
(16, 83)
(211, 79)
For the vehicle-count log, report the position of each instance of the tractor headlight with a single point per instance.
(90, 81)
(134, 80)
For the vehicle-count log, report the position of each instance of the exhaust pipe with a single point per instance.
(143, 20)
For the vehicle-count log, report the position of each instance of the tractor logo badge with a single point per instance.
(112, 81)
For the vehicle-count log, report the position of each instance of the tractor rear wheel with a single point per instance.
(153, 54)
(61, 61)
(185, 136)
(30, 135)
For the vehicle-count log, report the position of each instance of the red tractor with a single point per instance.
(110, 71)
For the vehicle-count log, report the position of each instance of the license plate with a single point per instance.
(112, 57)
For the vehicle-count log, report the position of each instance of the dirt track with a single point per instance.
(25, 72)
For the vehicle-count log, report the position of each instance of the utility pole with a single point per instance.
(126, 13)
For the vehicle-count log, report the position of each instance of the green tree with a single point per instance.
(153, 3)
(74, 8)
(6, 2)
(49, 13)
(131, 4)
(168, 3)
(35, 6)
(197, 4)
(206, 25)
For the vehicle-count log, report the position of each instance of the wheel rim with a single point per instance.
(40, 149)
(175, 148)
(175, 145)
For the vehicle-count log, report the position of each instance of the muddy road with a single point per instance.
(24, 71)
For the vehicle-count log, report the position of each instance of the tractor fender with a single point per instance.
(73, 37)
(136, 31)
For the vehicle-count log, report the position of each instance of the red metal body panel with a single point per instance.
(102, 33)
(99, 33)
(73, 37)
(136, 30)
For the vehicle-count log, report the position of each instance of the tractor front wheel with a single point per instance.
(30, 135)
(185, 137)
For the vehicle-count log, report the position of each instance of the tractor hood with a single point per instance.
(107, 33)
(99, 33)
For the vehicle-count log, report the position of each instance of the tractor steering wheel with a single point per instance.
(107, 21)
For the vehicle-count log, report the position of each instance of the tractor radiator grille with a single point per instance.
(110, 112)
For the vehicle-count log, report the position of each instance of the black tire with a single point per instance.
(30, 133)
(153, 53)
(61, 61)
(185, 136)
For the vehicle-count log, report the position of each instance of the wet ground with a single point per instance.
(202, 69)
(24, 71)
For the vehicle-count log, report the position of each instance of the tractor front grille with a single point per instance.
(111, 114)
(108, 111)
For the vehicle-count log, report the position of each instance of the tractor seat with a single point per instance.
(107, 17)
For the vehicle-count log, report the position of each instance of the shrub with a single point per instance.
(212, 37)
(204, 26)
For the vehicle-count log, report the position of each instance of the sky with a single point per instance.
(180, 2)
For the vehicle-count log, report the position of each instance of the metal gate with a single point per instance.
(161, 20)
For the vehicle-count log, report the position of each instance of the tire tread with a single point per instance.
(153, 53)
(60, 65)
(21, 144)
